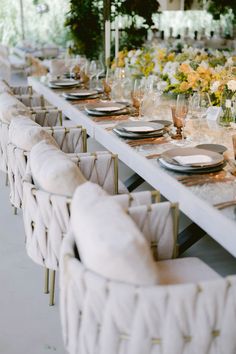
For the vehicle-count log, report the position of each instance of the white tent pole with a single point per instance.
(22, 20)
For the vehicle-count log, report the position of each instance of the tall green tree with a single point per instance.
(85, 21)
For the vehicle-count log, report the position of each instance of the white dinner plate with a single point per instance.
(140, 127)
(63, 83)
(105, 107)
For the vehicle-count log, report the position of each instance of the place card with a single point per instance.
(213, 113)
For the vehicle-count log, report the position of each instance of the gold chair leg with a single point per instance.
(52, 287)
(46, 281)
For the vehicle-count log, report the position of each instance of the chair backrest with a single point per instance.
(103, 316)
(70, 140)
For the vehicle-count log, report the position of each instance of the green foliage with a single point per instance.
(85, 23)
(85, 26)
(222, 7)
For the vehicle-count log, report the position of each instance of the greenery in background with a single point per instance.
(85, 22)
(221, 7)
(45, 28)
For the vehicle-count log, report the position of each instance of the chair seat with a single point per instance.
(184, 270)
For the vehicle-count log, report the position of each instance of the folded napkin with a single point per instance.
(192, 159)
(139, 129)
(107, 109)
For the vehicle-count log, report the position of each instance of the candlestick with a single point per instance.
(107, 42)
(116, 40)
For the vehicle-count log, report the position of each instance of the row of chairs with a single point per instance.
(122, 289)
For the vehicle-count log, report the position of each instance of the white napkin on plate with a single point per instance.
(192, 159)
(139, 129)
(107, 109)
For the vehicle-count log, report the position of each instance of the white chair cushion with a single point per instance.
(4, 87)
(25, 133)
(108, 240)
(53, 171)
(10, 107)
(184, 270)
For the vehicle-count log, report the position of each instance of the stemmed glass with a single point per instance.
(179, 113)
(138, 95)
(107, 84)
(200, 102)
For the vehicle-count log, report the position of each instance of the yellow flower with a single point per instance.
(185, 68)
(184, 86)
(171, 57)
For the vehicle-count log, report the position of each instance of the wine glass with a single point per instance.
(138, 94)
(200, 102)
(107, 84)
(179, 113)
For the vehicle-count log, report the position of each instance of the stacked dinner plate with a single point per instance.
(80, 94)
(139, 130)
(192, 160)
(106, 108)
(62, 83)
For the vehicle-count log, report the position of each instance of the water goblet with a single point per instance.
(179, 113)
(138, 94)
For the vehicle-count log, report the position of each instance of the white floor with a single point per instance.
(27, 324)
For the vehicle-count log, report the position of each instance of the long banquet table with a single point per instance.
(196, 202)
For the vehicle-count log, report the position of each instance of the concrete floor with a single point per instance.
(27, 324)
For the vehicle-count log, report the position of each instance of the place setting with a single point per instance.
(82, 94)
(198, 165)
(139, 133)
(106, 109)
(63, 83)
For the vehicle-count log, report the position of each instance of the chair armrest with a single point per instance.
(101, 168)
(32, 100)
(159, 224)
(46, 218)
(47, 118)
(70, 140)
(22, 90)
(137, 198)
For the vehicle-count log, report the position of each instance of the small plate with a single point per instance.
(165, 122)
(213, 147)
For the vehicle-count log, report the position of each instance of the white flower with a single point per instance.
(214, 87)
(231, 85)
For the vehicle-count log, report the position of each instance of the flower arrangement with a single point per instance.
(186, 72)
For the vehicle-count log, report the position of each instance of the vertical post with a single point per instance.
(107, 27)
(117, 40)
(22, 20)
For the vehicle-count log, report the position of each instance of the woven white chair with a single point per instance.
(39, 113)
(190, 310)
(15, 90)
(46, 215)
(44, 117)
(69, 140)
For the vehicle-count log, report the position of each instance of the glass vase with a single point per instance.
(227, 116)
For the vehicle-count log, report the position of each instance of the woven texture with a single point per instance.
(46, 216)
(69, 141)
(100, 316)
(4, 127)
